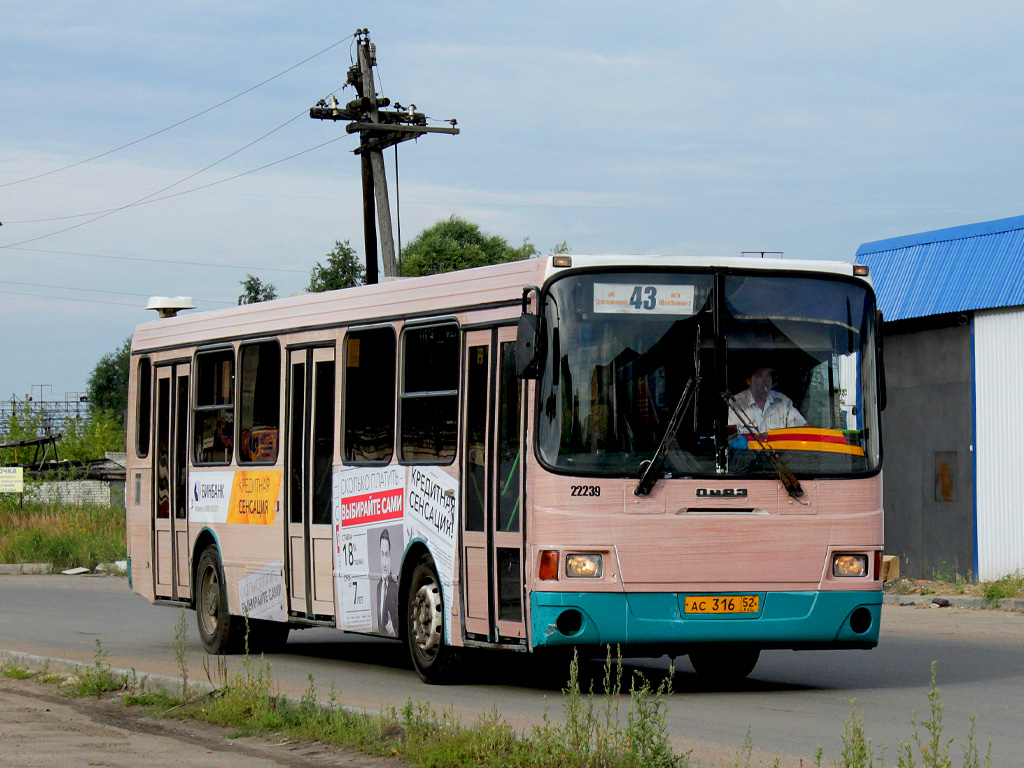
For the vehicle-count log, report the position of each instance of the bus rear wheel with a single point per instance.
(267, 636)
(434, 660)
(724, 664)
(218, 629)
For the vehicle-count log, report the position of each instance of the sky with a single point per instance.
(665, 127)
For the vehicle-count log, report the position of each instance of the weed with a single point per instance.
(647, 737)
(97, 679)
(1007, 586)
(903, 587)
(158, 702)
(930, 747)
(10, 669)
(971, 757)
(49, 677)
(857, 749)
(308, 705)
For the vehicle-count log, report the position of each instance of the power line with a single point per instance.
(100, 290)
(69, 298)
(141, 200)
(160, 261)
(180, 122)
(149, 199)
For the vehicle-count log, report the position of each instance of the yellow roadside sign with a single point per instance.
(12, 479)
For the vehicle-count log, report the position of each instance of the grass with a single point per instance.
(623, 725)
(1011, 585)
(64, 536)
(598, 729)
(7, 669)
(96, 679)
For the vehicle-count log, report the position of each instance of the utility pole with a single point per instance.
(378, 129)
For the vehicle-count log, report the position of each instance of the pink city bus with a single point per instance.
(675, 455)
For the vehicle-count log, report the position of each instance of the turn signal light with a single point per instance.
(549, 565)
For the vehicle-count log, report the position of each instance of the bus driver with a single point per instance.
(765, 407)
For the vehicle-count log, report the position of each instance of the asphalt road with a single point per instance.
(792, 703)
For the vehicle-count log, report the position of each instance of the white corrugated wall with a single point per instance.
(999, 435)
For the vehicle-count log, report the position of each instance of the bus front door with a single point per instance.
(492, 534)
(310, 460)
(171, 574)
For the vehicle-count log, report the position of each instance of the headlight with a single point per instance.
(584, 566)
(849, 565)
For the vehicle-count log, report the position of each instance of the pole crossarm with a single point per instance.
(378, 127)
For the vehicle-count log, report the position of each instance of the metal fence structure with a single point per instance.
(52, 413)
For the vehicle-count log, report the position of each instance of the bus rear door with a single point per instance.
(171, 574)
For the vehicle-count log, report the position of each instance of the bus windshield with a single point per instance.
(780, 363)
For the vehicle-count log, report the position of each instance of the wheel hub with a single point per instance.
(210, 601)
(426, 619)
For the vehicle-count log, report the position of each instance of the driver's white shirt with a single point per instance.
(778, 412)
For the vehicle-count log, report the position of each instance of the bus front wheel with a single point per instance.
(435, 661)
(218, 629)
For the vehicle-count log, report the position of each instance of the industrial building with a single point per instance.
(953, 431)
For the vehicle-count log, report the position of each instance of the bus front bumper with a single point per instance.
(657, 621)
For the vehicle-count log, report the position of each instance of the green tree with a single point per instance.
(342, 270)
(85, 439)
(107, 387)
(455, 243)
(256, 290)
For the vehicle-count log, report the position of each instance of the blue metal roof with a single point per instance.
(976, 266)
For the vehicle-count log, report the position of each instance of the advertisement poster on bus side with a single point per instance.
(247, 497)
(368, 511)
(377, 512)
(261, 593)
(431, 515)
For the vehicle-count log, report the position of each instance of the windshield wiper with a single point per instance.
(653, 465)
(786, 476)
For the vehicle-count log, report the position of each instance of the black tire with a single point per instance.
(218, 629)
(267, 636)
(435, 662)
(724, 664)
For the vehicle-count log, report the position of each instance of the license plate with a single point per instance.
(723, 604)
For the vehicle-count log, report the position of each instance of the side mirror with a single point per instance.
(879, 359)
(529, 340)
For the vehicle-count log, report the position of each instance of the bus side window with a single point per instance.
(259, 412)
(144, 410)
(368, 396)
(430, 394)
(213, 427)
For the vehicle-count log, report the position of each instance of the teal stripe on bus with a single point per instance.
(798, 617)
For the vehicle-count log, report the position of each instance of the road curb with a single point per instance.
(24, 569)
(144, 681)
(147, 682)
(955, 601)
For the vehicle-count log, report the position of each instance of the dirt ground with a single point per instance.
(906, 586)
(39, 727)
